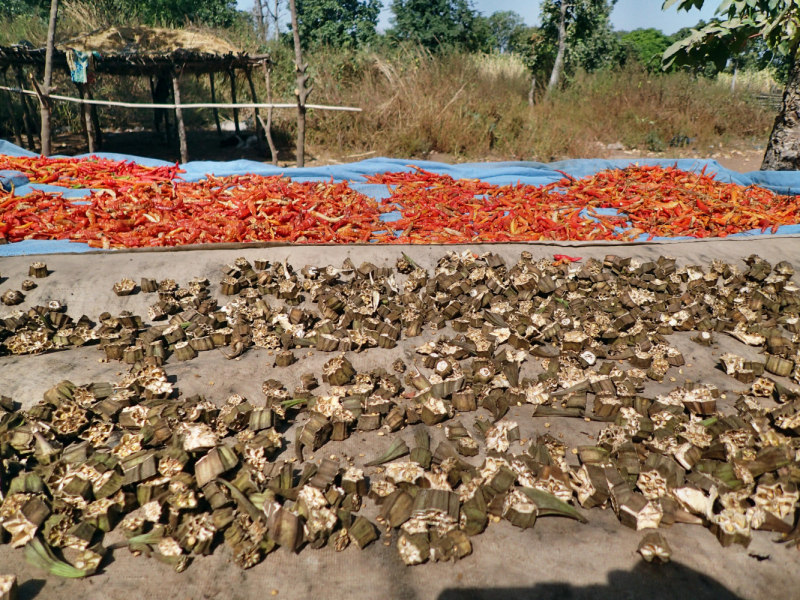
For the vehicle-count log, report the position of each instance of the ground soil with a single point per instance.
(206, 145)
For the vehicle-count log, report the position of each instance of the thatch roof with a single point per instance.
(149, 41)
(141, 51)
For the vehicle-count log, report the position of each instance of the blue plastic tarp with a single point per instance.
(497, 173)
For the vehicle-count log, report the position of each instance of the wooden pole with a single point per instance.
(232, 75)
(214, 101)
(256, 116)
(48, 77)
(179, 118)
(156, 124)
(12, 114)
(185, 105)
(268, 125)
(86, 115)
(276, 18)
(301, 91)
(26, 113)
(98, 132)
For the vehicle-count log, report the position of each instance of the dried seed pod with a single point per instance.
(8, 587)
(215, 463)
(466, 446)
(38, 270)
(778, 365)
(362, 532)
(184, 351)
(126, 287)
(12, 298)
(316, 432)
(337, 371)
(655, 549)
(285, 359)
(148, 285)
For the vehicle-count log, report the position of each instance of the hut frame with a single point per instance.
(175, 64)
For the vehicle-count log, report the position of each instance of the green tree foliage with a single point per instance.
(591, 41)
(337, 23)
(14, 8)
(775, 22)
(646, 45)
(439, 24)
(507, 28)
(171, 13)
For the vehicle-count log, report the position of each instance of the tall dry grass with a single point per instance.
(418, 103)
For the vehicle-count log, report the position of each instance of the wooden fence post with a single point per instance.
(86, 114)
(214, 101)
(179, 118)
(232, 74)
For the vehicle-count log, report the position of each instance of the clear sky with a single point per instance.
(627, 15)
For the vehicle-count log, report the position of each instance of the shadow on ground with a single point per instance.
(30, 589)
(645, 582)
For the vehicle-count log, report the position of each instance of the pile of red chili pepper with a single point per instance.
(149, 207)
(651, 200)
(94, 172)
(226, 209)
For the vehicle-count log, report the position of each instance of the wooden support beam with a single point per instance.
(232, 75)
(27, 118)
(256, 116)
(156, 122)
(86, 118)
(268, 124)
(214, 101)
(179, 118)
(98, 133)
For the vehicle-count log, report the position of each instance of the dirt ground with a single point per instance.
(557, 559)
(205, 145)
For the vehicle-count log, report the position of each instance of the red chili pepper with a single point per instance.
(565, 257)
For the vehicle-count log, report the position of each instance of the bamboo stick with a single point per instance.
(183, 106)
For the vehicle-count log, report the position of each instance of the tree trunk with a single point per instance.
(532, 91)
(783, 148)
(277, 31)
(48, 77)
(268, 125)
(562, 48)
(263, 24)
(301, 91)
